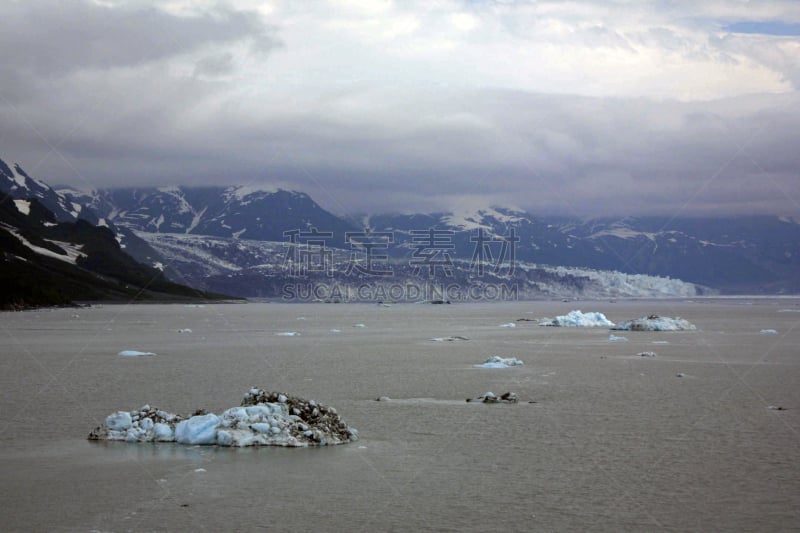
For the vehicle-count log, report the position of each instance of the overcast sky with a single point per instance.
(581, 108)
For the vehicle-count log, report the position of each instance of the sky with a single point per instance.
(578, 108)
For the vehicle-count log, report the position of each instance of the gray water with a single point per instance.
(614, 441)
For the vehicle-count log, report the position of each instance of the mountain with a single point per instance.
(15, 182)
(237, 228)
(247, 212)
(44, 261)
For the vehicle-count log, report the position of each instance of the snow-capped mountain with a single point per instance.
(745, 254)
(15, 182)
(247, 212)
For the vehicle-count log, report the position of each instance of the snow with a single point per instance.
(243, 191)
(134, 353)
(500, 362)
(469, 218)
(73, 251)
(655, 323)
(577, 319)
(263, 419)
(23, 206)
(196, 219)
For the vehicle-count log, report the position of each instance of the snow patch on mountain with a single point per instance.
(469, 219)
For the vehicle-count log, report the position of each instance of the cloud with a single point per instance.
(564, 107)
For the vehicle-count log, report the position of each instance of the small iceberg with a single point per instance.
(655, 323)
(646, 354)
(184, 330)
(768, 332)
(359, 325)
(614, 338)
(577, 319)
(500, 362)
(262, 419)
(452, 338)
(134, 353)
(508, 325)
(287, 334)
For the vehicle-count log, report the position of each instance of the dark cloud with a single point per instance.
(97, 96)
(55, 38)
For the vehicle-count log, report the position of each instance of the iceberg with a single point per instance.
(500, 362)
(262, 419)
(655, 323)
(577, 319)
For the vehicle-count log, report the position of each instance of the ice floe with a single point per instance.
(768, 331)
(614, 338)
(577, 319)
(496, 361)
(359, 325)
(263, 419)
(508, 325)
(134, 353)
(287, 334)
(452, 338)
(655, 323)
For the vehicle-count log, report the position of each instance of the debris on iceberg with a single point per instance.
(496, 361)
(262, 419)
(614, 338)
(768, 332)
(577, 319)
(490, 397)
(655, 323)
(134, 353)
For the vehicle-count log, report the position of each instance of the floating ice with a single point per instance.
(614, 338)
(359, 325)
(768, 331)
(184, 330)
(577, 319)
(646, 354)
(134, 353)
(500, 362)
(450, 339)
(336, 330)
(509, 325)
(655, 323)
(263, 419)
(287, 334)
